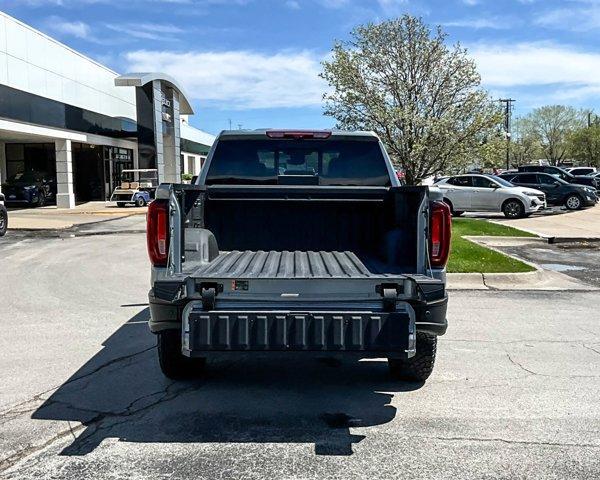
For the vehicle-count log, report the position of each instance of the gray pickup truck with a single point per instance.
(298, 242)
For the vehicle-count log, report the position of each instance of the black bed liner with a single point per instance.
(286, 264)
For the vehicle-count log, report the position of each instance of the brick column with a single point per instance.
(65, 197)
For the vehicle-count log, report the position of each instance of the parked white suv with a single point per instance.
(488, 193)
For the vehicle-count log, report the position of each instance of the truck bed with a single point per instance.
(291, 264)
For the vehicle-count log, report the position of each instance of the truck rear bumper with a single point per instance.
(379, 333)
(430, 317)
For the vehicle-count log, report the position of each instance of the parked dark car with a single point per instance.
(3, 217)
(558, 192)
(577, 171)
(562, 174)
(30, 189)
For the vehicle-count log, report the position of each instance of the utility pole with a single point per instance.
(229, 123)
(507, 114)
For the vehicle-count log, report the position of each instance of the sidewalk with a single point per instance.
(53, 218)
(563, 226)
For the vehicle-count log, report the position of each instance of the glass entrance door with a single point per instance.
(116, 160)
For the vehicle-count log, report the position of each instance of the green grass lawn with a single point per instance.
(466, 256)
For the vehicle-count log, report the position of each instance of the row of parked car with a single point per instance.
(519, 193)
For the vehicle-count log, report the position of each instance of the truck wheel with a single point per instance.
(573, 202)
(173, 363)
(513, 209)
(140, 202)
(3, 220)
(419, 367)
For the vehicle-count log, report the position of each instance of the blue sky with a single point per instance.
(255, 62)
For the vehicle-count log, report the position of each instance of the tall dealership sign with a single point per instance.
(159, 103)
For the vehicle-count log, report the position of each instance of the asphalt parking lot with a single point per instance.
(580, 260)
(514, 393)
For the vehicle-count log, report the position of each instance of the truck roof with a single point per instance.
(262, 133)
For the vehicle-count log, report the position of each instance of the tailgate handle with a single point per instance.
(390, 296)
(208, 299)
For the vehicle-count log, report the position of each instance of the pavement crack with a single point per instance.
(98, 423)
(485, 284)
(107, 364)
(517, 364)
(13, 459)
(515, 442)
(17, 409)
(590, 348)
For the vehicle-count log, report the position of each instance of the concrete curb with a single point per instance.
(549, 238)
(539, 279)
(552, 240)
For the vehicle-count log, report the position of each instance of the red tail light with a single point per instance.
(157, 232)
(440, 230)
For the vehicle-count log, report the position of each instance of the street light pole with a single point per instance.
(507, 113)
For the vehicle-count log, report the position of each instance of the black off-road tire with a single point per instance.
(173, 363)
(140, 202)
(419, 367)
(3, 220)
(513, 209)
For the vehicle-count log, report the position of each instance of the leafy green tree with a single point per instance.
(584, 144)
(551, 127)
(525, 146)
(422, 97)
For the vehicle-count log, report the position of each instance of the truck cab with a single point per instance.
(298, 242)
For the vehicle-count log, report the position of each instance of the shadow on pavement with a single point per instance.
(120, 393)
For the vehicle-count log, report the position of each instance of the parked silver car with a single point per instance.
(488, 193)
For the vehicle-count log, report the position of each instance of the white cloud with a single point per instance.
(147, 31)
(574, 19)
(334, 3)
(240, 79)
(292, 5)
(483, 22)
(75, 29)
(530, 64)
(539, 73)
(393, 7)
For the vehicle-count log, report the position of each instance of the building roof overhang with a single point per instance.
(141, 79)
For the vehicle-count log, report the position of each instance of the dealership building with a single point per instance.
(80, 124)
